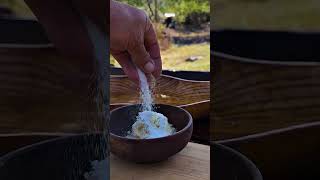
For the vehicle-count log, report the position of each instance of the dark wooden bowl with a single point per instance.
(148, 150)
(11, 142)
(264, 80)
(228, 164)
(67, 158)
(295, 149)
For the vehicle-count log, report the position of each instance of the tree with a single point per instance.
(182, 8)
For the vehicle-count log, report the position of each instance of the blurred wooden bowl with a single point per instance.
(13, 141)
(40, 90)
(264, 80)
(67, 157)
(229, 164)
(295, 149)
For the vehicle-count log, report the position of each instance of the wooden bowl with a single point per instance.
(67, 158)
(194, 96)
(229, 164)
(148, 150)
(295, 149)
(264, 80)
(13, 141)
(187, 75)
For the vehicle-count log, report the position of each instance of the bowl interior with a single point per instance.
(167, 90)
(122, 118)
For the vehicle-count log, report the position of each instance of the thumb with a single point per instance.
(142, 58)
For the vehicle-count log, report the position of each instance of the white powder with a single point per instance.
(145, 93)
(149, 124)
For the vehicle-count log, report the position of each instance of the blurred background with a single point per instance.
(183, 29)
(15, 8)
(299, 15)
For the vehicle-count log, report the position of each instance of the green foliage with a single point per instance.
(182, 8)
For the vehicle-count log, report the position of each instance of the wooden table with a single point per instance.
(192, 163)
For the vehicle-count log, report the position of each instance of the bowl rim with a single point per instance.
(190, 124)
(30, 147)
(239, 156)
(181, 106)
(263, 61)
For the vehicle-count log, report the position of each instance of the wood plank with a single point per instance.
(192, 163)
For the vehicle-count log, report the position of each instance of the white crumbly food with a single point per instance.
(150, 125)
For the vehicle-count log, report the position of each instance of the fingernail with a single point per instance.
(149, 67)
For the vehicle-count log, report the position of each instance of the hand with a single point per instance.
(133, 41)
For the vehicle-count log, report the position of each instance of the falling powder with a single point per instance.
(149, 124)
(145, 93)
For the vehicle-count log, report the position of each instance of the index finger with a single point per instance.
(153, 48)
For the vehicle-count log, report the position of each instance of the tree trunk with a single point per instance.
(156, 16)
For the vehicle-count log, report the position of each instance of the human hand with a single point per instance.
(133, 41)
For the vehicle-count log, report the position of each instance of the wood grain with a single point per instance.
(192, 163)
(194, 96)
(252, 96)
(41, 91)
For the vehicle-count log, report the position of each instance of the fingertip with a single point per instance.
(149, 67)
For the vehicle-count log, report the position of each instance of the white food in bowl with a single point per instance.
(150, 125)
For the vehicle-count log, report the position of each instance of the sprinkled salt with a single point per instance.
(145, 93)
(149, 124)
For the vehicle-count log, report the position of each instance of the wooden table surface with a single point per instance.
(192, 163)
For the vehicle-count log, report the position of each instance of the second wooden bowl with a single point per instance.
(194, 96)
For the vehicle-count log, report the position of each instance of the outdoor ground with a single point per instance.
(186, 44)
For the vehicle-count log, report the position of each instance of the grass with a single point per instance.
(266, 14)
(174, 57)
